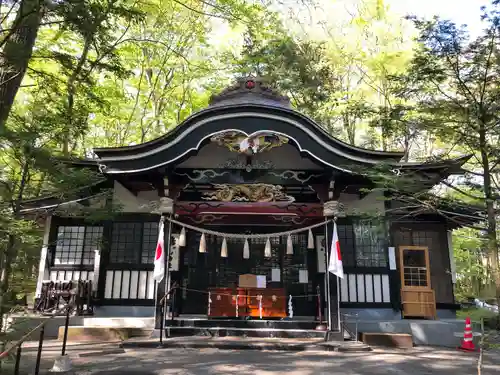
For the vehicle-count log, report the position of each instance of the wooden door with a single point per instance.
(417, 295)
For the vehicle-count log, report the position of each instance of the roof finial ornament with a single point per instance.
(248, 90)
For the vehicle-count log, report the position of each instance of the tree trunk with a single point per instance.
(8, 257)
(406, 156)
(491, 229)
(16, 54)
(71, 93)
(9, 254)
(350, 130)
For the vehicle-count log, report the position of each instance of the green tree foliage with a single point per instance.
(343, 79)
(80, 74)
(462, 109)
(76, 72)
(470, 260)
(57, 59)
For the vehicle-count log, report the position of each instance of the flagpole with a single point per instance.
(166, 275)
(338, 304)
(327, 274)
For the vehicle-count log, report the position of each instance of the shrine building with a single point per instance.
(250, 189)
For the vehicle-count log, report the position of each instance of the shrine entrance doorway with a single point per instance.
(287, 274)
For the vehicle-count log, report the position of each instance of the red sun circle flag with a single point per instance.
(335, 263)
(159, 268)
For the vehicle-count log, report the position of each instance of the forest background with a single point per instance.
(79, 74)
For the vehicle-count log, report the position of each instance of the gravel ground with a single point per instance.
(109, 360)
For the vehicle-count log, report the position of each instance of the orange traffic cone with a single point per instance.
(467, 343)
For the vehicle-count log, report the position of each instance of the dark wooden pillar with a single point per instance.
(105, 249)
(331, 285)
(162, 286)
(392, 235)
(165, 208)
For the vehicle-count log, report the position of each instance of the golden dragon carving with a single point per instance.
(248, 193)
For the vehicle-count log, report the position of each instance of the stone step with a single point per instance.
(393, 340)
(244, 332)
(102, 334)
(243, 323)
(241, 343)
(119, 322)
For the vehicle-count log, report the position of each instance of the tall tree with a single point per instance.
(341, 78)
(82, 65)
(464, 108)
(17, 42)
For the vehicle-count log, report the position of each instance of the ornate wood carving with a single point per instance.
(161, 206)
(295, 175)
(263, 176)
(252, 144)
(206, 219)
(334, 208)
(195, 208)
(253, 86)
(254, 208)
(245, 220)
(290, 219)
(237, 163)
(305, 209)
(197, 175)
(248, 193)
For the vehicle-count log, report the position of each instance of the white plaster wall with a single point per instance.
(74, 208)
(128, 202)
(372, 203)
(43, 272)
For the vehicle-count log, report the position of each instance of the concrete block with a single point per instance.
(439, 333)
(27, 323)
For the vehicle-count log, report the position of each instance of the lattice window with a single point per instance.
(346, 239)
(415, 269)
(425, 238)
(133, 243)
(92, 242)
(76, 244)
(370, 244)
(149, 241)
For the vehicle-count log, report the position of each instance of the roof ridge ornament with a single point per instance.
(250, 90)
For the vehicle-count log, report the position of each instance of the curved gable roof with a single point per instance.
(251, 107)
(248, 118)
(243, 110)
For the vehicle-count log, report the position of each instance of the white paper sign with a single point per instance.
(276, 274)
(174, 252)
(321, 253)
(261, 281)
(303, 277)
(97, 267)
(392, 258)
